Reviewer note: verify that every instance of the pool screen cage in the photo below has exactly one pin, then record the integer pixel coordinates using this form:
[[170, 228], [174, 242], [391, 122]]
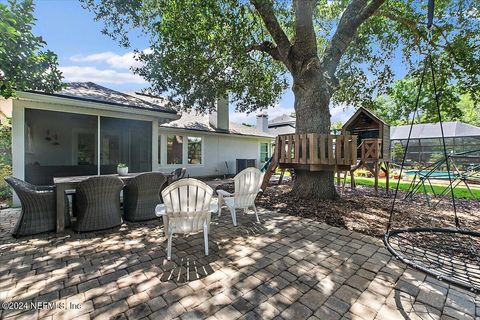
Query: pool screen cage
[[450, 254]]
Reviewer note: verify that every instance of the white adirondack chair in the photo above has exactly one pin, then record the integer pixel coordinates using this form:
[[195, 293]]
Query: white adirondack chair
[[186, 209], [247, 186]]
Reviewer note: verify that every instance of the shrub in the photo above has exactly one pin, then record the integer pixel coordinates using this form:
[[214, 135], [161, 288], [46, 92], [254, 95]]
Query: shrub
[[5, 161]]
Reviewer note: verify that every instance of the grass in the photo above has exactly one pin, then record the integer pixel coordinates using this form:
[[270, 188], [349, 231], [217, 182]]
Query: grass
[[459, 192]]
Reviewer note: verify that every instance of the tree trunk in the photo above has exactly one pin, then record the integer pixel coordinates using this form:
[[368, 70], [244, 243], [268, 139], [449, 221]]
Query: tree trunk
[[312, 99]]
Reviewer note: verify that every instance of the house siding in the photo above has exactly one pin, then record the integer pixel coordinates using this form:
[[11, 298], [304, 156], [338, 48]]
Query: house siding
[[216, 150]]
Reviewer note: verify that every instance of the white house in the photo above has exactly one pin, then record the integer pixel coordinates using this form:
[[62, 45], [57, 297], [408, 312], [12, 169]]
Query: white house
[[87, 129]]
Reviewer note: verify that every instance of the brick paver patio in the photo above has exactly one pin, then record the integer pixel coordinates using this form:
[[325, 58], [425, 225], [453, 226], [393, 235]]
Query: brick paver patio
[[284, 268]]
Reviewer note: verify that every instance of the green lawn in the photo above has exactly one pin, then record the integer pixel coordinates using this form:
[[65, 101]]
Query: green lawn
[[460, 192]]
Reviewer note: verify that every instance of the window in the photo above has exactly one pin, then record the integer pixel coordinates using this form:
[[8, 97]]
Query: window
[[194, 150], [263, 153], [174, 149], [159, 148], [86, 151]]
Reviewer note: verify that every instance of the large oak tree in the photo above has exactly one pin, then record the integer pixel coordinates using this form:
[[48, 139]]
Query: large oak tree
[[334, 51]]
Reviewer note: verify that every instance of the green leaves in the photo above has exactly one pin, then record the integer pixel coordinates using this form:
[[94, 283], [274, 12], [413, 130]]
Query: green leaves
[[200, 48], [24, 64]]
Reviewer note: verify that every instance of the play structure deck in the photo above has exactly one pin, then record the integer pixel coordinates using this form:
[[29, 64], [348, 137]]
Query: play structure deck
[[364, 143]]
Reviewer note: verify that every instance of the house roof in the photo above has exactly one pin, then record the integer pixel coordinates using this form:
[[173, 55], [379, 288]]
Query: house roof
[[92, 92], [284, 119], [432, 130], [283, 129], [364, 111], [200, 122]]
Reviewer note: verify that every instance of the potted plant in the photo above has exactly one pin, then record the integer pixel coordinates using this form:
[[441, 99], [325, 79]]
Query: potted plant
[[122, 169]]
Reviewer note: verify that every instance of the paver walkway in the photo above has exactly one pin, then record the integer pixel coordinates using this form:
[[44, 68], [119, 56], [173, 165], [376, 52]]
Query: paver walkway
[[284, 268]]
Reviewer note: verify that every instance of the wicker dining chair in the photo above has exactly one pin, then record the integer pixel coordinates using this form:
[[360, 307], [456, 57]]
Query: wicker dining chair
[[97, 204], [141, 195], [186, 209], [39, 209]]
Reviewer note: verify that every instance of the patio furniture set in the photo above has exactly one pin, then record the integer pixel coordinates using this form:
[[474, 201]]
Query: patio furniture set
[[185, 205]]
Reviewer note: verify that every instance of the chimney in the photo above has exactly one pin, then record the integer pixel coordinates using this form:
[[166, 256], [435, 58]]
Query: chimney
[[219, 118], [262, 122]]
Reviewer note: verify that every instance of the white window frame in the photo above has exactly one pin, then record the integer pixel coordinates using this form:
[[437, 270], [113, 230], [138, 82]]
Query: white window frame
[[162, 162], [202, 155]]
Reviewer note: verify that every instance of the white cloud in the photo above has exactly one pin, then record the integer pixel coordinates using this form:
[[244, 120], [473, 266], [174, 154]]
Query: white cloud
[[114, 60], [80, 73]]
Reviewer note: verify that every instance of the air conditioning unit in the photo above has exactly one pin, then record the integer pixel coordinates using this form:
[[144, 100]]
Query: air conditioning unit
[[245, 163]]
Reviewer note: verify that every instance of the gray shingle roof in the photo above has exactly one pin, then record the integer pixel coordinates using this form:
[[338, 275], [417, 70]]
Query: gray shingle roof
[[432, 130], [283, 129], [282, 120], [200, 122], [89, 91]]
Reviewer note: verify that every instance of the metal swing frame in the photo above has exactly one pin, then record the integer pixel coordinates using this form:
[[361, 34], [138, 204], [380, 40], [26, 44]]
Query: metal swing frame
[[448, 259], [421, 181]]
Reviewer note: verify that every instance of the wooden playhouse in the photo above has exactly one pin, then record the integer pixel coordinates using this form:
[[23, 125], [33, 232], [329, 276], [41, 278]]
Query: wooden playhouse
[[373, 145], [364, 143]]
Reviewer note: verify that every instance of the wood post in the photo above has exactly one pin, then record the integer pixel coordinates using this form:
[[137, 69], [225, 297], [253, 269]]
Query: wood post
[[338, 178], [322, 148], [304, 158], [387, 176]]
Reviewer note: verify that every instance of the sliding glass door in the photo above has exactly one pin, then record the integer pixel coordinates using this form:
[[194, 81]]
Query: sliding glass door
[[59, 144], [125, 141]]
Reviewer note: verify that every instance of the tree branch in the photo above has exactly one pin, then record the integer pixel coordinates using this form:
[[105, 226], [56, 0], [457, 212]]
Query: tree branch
[[267, 47], [413, 27], [357, 12], [265, 9], [305, 39]]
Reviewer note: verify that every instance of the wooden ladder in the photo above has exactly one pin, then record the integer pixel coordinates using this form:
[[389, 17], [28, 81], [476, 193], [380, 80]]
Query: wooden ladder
[[272, 166], [269, 172]]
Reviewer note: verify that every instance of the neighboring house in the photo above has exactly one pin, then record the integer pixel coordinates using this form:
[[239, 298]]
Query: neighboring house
[[87, 129], [284, 124]]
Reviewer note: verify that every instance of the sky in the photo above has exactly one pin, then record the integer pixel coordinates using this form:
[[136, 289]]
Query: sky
[[85, 54]]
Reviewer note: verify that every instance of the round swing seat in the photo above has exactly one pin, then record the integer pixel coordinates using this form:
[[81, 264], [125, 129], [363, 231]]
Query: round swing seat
[[449, 254]]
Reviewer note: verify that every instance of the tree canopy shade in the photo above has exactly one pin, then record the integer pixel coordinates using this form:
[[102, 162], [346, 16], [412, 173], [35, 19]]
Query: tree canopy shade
[[398, 103], [24, 63], [338, 51]]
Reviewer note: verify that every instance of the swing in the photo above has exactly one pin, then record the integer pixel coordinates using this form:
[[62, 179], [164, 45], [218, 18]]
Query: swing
[[449, 254]]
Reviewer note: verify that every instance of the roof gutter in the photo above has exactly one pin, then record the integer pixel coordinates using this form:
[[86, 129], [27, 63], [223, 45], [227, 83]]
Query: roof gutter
[[94, 104], [222, 132]]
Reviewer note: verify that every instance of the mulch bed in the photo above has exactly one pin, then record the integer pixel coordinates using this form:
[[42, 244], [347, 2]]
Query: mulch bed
[[362, 211]]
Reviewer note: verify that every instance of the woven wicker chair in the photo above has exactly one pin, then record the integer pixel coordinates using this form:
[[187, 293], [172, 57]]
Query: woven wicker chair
[[38, 208], [141, 195], [178, 174], [97, 204]]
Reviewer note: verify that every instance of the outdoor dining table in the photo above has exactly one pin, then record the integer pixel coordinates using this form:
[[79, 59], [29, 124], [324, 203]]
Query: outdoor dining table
[[63, 184]]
